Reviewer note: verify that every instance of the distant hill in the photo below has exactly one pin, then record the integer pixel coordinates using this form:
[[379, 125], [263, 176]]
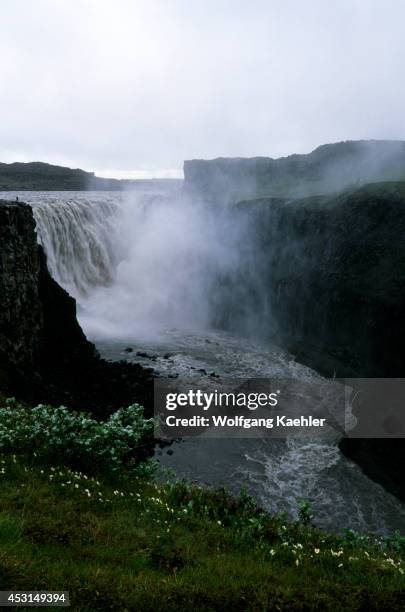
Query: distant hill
[[329, 168], [38, 176]]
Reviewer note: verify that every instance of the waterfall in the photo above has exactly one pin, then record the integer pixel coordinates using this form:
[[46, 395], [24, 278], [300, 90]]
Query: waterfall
[[81, 238], [140, 263]]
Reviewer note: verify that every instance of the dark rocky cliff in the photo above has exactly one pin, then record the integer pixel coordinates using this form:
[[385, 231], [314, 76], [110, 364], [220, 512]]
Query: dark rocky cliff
[[335, 278], [328, 284], [329, 168], [21, 315], [44, 355]]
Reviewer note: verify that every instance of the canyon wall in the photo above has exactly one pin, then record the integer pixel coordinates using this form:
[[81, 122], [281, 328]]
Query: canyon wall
[[329, 168], [327, 278], [334, 277], [328, 284], [21, 316], [44, 354]]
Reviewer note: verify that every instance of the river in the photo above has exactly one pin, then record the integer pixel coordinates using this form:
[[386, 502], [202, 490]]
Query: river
[[146, 269]]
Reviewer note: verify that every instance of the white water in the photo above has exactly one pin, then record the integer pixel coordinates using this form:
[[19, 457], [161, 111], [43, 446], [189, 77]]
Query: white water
[[278, 472], [141, 268], [81, 238], [137, 263]]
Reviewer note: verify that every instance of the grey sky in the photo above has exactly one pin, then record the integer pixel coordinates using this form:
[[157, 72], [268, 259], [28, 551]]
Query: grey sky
[[132, 85]]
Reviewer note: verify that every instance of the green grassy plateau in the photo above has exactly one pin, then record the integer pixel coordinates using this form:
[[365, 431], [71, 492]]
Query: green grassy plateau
[[119, 539]]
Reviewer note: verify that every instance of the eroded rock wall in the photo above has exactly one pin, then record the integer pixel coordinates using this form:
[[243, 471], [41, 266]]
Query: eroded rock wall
[[44, 354], [21, 315]]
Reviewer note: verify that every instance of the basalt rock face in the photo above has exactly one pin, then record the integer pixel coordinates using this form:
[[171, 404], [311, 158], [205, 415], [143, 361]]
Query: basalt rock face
[[44, 354], [324, 276], [329, 285], [21, 316], [336, 278], [329, 168]]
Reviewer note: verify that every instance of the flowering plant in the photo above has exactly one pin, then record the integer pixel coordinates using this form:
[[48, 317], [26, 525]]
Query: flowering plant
[[76, 438]]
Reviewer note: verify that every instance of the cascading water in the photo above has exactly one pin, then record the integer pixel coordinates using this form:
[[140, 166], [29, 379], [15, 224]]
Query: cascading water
[[138, 263], [142, 264], [81, 238]]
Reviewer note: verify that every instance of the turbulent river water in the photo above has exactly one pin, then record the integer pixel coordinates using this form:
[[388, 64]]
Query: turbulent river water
[[141, 266]]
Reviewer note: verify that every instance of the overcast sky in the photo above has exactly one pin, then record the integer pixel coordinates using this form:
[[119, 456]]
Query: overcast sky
[[133, 87]]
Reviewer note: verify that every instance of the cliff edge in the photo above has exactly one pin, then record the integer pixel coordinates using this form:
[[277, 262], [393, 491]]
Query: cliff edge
[[329, 168], [44, 354], [328, 285]]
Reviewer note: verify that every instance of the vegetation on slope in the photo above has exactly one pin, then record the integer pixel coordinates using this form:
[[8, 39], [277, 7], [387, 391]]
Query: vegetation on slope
[[39, 176], [327, 169], [124, 541]]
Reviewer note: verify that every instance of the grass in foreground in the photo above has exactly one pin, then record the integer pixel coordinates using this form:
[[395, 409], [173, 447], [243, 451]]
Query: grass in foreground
[[138, 545]]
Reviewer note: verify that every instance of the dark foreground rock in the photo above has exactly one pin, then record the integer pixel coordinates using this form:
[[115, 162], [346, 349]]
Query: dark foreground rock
[[381, 459], [44, 354]]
